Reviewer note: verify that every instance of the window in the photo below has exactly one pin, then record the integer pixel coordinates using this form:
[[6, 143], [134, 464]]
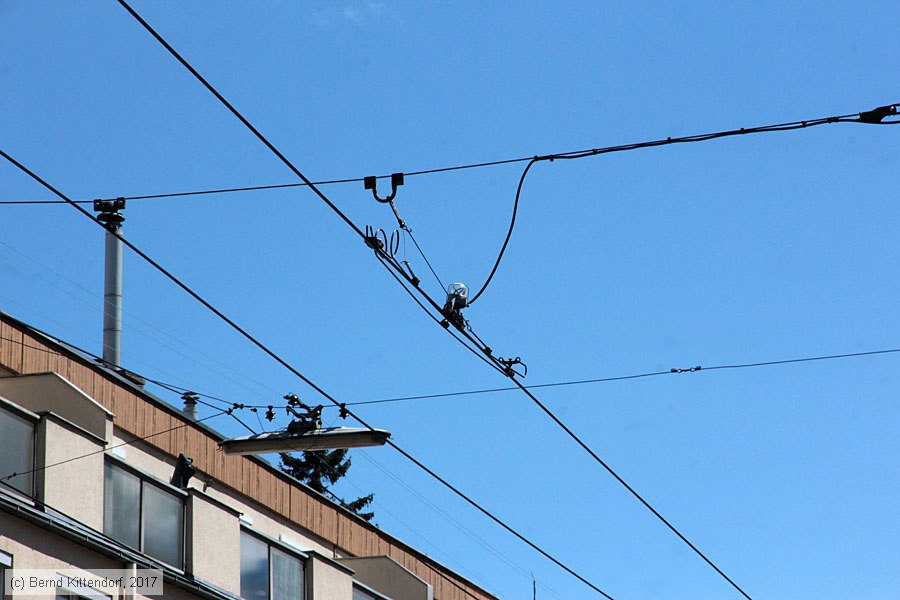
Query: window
[[268, 573], [143, 514], [17, 434], [5, 563]]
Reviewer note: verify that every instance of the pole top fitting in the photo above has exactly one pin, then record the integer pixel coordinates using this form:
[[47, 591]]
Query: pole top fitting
[[371, 183], [109, 215]]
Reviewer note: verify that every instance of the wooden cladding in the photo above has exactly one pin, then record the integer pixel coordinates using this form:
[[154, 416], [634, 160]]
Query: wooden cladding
[[23, 351]]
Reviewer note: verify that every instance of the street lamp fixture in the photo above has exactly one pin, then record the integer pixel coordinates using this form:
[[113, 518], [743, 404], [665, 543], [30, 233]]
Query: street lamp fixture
[[305, 433]]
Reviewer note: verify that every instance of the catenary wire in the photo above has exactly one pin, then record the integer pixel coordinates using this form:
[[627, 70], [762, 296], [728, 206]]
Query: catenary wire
[[508, 371], [424, 308], [673, 371], [302, 377], [789, 126], [628, 377], [854, 118], [786, 126], [628, 487], [533, 160], [587, 449], [337, 210]]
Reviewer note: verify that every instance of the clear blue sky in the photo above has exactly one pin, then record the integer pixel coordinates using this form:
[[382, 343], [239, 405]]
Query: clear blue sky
[[746, 249]]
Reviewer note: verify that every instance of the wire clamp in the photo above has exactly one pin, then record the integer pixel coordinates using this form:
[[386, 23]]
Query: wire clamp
[[690, 370], [372, 240], [109, 216], [371, 183], [309, 419], [378, 240], [509, 363], [877, 115]]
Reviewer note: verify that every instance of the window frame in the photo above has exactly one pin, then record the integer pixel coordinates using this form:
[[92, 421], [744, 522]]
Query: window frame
[[6, 562], [34, 420], [273, 544], [145, 479]]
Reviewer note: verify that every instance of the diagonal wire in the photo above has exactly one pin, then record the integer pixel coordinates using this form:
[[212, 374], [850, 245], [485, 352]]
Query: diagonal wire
[[365, 237], [300, 375], [864, 117], [427, 262]]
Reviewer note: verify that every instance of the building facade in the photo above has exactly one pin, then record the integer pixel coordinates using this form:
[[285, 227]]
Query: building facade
[[88, 462]]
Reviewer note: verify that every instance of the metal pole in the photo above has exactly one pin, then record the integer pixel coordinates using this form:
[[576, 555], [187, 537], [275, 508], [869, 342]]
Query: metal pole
[[112, 280], [112, 302]]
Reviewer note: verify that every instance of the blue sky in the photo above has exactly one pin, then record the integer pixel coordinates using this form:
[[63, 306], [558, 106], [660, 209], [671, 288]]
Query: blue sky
[[757, 248]]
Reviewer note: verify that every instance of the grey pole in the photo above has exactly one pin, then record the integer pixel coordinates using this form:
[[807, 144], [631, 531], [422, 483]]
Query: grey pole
[[112, 281], [112, 302]]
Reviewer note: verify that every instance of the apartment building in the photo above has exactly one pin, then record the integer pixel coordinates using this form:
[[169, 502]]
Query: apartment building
[[95, 457]]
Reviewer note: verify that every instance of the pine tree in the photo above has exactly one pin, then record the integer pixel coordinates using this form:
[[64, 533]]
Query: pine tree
[[322, 469]]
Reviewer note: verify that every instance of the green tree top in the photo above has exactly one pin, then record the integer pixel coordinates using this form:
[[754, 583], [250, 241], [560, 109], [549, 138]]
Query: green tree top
[[321, 469]]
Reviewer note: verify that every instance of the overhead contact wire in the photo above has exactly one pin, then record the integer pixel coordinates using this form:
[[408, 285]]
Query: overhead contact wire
[[625, 484], [293, 370], [297, 172], [360, 233], [242, 119]]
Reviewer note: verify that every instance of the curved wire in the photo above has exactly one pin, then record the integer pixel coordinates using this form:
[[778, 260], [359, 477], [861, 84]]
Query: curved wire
[[512, 224], [788, 126]]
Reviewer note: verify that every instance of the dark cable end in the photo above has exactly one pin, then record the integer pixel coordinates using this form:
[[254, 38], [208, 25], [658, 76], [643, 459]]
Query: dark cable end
[[877, 115]]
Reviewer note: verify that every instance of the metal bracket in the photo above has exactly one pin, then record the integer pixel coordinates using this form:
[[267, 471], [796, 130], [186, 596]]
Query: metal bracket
[[109, 213], [509, 363], [308, 420], [371, 183]]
